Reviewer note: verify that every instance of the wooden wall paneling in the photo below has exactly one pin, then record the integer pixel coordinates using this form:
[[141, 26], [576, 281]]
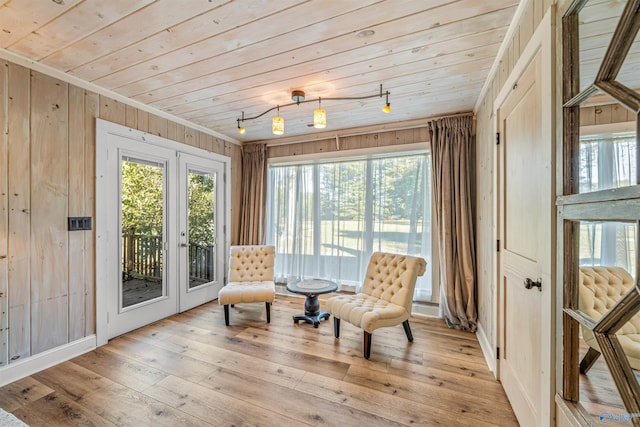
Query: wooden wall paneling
[[527, 26], [180, 133], [351, 142], [157, 125], [603, 114], [503, 74], [113, 110], [76, 205], [49, 211], [19, 208], [4, 219], [296, 149], [210, 142], [131, 117], [512, 55], [618, 113], [384, 139], [143, 121], [190, 137], [587, 116], [206, 141], [172, 130], [421, 134], [277, 151], [517, 46], [218, 145], [538, 12], [91, 111], [321, 146]]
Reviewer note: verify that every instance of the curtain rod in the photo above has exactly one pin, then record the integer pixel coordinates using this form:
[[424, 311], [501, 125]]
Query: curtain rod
[[272, 143]]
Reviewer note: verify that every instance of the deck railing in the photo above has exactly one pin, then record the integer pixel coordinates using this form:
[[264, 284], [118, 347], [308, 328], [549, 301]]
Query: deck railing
[[142, 258]]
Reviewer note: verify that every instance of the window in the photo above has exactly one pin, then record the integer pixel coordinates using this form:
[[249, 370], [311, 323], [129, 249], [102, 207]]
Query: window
[[326, 218]]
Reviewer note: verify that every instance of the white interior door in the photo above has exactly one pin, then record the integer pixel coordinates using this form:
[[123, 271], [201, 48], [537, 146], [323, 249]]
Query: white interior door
[[526, 236], [162, 210], [201, 223]]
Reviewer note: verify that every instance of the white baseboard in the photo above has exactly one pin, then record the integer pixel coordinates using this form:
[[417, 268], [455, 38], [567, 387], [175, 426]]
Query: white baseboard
[[488, 349], [23, 368]]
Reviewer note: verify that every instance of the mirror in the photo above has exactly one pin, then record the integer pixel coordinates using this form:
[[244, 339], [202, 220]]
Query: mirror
[[598, 20], [607, 268]]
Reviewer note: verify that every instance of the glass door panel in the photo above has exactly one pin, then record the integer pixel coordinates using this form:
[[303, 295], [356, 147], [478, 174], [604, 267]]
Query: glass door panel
[[201, 227], [142, 224]]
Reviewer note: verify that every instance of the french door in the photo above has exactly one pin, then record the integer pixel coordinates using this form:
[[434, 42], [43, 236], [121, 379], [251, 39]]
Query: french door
[[160, 225], [200, 211]]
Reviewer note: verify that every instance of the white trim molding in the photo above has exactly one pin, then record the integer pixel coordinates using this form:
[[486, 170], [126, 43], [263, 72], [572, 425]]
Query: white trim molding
[[36, 363]]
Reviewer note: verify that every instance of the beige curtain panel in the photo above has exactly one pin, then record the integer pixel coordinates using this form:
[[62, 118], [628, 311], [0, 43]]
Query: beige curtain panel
[[452, 151], [254, 194]]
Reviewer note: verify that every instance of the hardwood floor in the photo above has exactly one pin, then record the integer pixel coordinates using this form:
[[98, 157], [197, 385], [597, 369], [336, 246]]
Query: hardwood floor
[[599, 395], [190, 369]]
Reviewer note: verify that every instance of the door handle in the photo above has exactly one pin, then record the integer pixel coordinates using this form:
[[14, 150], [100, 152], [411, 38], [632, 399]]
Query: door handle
[[528, 283], [183, 245]]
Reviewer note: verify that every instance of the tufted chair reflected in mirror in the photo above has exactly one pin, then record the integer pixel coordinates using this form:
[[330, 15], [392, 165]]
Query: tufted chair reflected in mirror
[[250, 278], [599, 289], [386, 297]]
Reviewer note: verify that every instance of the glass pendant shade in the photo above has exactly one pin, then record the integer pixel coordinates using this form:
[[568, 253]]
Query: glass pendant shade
[[319, 118], [277, 125], [387, 108]]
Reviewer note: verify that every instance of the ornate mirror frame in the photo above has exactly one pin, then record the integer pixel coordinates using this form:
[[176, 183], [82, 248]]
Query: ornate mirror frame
[[621, 204]]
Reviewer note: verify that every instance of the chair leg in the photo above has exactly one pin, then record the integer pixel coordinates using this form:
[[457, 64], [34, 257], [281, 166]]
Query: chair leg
[[336, 327], [407, 330], [367, 345], [268, 311], [588, 360], [226, 314]]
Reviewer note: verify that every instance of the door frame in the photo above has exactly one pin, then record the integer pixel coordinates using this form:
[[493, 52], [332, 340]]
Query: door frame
[[103, 130], [543, 41]]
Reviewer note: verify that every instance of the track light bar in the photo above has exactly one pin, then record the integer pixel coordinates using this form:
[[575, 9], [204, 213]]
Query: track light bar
[[298, 98]]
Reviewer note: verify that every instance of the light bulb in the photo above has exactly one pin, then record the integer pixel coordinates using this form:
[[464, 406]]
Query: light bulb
[[387, 108]]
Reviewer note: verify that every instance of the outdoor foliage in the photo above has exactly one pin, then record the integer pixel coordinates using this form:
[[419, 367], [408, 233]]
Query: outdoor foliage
[[201, 203], [142, 202], [142, 189]]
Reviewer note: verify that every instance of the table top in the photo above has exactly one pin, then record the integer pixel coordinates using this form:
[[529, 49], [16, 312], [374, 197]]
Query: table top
[[312, 286]]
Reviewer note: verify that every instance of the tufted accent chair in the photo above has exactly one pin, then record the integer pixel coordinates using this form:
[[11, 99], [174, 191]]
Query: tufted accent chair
[[600, 288], [385, 299], [250, 278]]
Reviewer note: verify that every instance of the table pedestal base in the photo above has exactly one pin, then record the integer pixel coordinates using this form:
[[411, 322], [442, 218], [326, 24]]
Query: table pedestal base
[[312, 313]]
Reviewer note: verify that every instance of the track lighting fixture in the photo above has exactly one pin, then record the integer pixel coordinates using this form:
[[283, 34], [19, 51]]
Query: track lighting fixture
[[319, 114]]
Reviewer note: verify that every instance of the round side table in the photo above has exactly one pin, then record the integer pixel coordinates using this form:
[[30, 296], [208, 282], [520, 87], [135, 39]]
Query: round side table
[[312, 288]]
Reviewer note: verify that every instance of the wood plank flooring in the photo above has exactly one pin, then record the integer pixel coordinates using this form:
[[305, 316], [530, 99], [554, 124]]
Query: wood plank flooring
[[190, 369], [599, 394]]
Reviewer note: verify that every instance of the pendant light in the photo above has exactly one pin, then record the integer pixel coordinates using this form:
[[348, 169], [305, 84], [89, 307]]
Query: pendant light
[[277, 124], [319, 116], [387, 106]]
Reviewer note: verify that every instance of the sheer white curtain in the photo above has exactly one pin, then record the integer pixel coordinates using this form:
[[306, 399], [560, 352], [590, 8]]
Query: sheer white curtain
[[327, 218], [606, 162]]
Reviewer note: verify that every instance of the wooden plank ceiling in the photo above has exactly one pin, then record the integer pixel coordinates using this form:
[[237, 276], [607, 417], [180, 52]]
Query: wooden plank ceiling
[[207, 61]]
